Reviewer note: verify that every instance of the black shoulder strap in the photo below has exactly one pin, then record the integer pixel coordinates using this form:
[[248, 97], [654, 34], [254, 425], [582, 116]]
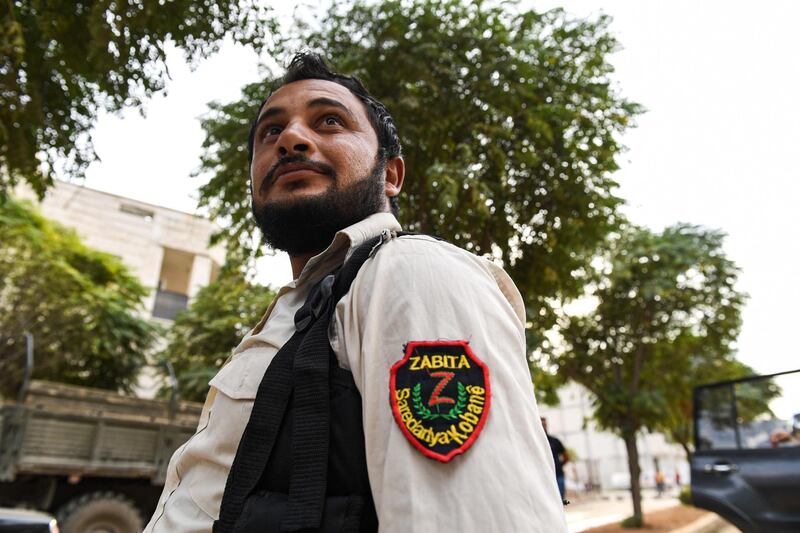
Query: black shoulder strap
[[301, 367]]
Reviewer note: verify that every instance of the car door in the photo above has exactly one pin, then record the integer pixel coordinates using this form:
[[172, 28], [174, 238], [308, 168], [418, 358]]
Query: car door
[[746, 465]]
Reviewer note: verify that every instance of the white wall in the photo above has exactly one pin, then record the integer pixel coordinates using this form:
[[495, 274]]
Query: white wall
[[601, 456]]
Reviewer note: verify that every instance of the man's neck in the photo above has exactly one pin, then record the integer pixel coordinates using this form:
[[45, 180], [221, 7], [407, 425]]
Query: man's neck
[[299, 262]]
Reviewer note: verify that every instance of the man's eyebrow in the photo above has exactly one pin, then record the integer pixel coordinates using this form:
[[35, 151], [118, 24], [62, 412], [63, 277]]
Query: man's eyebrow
[[316, 102], [325, 102], [270, 112]]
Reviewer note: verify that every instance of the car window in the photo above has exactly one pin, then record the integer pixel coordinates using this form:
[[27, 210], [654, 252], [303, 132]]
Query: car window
[[761, 413], [716, 428], [768, 411]]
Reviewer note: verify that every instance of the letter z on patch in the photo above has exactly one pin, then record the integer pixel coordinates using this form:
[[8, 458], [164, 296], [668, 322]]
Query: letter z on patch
[[440, 396]]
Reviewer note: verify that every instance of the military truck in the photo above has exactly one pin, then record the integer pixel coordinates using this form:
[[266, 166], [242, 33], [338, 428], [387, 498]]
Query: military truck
[[746, 464], [94, 458]]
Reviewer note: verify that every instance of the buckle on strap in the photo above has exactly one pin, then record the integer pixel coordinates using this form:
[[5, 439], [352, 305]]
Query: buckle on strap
[[315, 304]]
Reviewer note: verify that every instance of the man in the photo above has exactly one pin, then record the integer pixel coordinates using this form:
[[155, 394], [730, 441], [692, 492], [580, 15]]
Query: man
[[560, 458], [433, 337], [661, 483]]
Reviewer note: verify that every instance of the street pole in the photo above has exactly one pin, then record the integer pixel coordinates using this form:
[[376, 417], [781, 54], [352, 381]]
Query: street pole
[[26, 379]]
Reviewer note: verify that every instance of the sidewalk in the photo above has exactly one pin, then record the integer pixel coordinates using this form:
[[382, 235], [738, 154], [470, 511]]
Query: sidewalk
[[611, 507]]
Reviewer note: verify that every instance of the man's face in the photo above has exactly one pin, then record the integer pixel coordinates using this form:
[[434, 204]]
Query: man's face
[[315, 167], [311, 135]]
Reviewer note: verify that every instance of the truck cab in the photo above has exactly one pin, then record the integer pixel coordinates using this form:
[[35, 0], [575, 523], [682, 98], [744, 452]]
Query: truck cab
[[746, 464]]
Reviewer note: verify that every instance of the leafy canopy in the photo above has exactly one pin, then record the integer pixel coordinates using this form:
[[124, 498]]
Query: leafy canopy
[[62, 62], [667, 316], [509, 123], [202, 336], [82, 306], [667, 304], [701, 365]]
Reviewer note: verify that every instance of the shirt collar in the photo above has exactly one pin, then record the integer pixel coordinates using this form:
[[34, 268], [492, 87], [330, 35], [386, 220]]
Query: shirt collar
[[344, 242]]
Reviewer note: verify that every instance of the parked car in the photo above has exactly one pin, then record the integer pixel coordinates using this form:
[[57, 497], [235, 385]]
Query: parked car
[[24, 521], [746, 465]]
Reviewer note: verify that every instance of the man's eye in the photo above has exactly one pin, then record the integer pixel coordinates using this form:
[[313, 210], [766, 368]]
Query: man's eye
[[270, 131], [332, 120]]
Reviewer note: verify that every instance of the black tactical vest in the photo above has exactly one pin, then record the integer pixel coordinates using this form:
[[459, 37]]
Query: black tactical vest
[[301, 463]]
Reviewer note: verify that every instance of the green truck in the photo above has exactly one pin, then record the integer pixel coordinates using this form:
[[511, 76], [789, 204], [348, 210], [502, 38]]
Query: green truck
[[95, 459]]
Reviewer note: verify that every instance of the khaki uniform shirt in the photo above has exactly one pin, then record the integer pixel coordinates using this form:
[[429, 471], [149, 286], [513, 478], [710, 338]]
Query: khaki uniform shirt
[[414, 289]]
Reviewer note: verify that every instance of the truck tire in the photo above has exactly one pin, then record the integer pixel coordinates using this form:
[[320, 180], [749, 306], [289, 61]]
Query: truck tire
[[100, 512]]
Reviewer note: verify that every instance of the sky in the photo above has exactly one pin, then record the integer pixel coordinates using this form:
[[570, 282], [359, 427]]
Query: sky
[[717, 146]]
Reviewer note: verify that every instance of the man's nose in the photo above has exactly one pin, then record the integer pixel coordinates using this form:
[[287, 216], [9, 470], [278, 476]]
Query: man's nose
[[294, 139]]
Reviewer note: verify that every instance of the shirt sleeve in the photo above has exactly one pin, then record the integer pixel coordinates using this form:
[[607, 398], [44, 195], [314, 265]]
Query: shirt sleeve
[[561, 449], [416, 289]]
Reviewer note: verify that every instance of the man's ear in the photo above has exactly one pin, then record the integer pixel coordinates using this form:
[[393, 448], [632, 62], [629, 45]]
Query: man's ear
[[395, 173]]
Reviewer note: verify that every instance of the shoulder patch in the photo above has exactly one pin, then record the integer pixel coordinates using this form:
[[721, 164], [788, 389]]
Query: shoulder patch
[[440, 396]]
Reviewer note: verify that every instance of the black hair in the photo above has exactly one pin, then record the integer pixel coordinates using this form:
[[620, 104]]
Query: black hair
[[308, 65]]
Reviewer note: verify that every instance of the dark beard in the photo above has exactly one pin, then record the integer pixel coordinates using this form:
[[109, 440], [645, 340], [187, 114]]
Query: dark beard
[[307, 225]]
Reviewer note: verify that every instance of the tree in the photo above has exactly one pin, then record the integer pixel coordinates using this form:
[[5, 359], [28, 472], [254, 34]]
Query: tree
[[667, 312], [509, 122], [82, 306], [202, 336], [699, 365], [62, 62]]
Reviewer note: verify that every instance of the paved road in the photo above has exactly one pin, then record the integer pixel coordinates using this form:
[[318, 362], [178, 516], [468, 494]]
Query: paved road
[[612, 507]]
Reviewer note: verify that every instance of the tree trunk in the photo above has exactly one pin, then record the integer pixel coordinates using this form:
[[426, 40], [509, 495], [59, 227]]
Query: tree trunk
[[634, 471], [687, 450]]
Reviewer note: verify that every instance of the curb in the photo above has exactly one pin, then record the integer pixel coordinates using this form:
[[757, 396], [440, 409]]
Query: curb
[[706, 524]]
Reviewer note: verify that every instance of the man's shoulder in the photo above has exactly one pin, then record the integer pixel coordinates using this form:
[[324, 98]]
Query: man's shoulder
[[422, 249], [420, 259], [422, 263]]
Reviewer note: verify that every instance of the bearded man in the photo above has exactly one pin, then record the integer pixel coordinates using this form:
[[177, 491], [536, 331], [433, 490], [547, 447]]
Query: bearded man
[[387, 385]]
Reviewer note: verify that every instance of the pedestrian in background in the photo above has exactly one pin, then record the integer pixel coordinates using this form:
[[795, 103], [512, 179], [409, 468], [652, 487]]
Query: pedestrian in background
[[660, 482], [560, 458]]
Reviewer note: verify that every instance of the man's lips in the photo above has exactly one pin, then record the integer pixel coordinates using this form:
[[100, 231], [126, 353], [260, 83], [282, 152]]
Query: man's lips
[[294, 169], [297, 173]]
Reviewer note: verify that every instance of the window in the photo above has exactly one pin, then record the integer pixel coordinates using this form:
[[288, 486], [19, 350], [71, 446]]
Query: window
[[755, 413], [138, 211]]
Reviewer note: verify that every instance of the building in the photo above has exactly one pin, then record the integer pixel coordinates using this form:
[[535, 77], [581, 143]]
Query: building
[[166, 249], [600, 460]]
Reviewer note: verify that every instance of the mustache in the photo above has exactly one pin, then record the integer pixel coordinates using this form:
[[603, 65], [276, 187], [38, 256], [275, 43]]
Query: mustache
[[322, 168]]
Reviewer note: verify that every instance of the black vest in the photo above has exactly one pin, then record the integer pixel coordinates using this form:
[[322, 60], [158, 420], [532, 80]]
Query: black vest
[[301, 463]]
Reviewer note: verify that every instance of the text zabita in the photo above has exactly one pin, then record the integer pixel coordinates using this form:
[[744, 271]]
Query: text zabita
[[424, 362]]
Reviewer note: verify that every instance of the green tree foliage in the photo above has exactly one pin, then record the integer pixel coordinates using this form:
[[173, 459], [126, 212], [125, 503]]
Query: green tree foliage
[[699, 364], [202, 336], [81, 305], [667, 315], [509, 122], [62, 62]]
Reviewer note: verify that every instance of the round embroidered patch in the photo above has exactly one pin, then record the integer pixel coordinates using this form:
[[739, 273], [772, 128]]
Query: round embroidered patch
[[440, 397]]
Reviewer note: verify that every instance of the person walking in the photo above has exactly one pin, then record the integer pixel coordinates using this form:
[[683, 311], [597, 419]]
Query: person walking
[[560, 458]]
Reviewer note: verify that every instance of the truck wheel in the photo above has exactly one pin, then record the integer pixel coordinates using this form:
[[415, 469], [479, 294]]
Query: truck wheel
[[100, 512]]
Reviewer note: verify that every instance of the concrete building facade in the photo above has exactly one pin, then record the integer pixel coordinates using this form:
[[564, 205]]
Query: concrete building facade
[[166, 249]]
